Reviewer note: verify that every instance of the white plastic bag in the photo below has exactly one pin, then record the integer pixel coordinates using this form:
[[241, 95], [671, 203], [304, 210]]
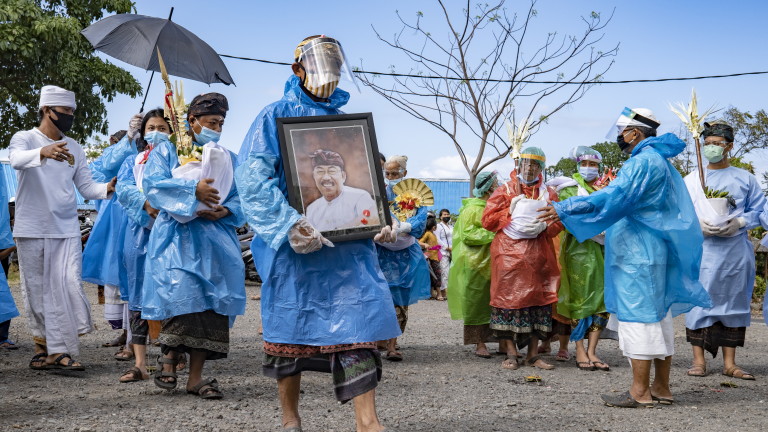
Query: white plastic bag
[[714, 211], [216, 164]]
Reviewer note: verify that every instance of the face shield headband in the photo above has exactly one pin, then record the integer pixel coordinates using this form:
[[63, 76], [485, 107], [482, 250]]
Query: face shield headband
[[325, 64], [628, 119]]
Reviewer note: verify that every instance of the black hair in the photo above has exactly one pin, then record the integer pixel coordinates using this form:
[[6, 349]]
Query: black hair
[[444, 210], [431, 223], [141, 144], [119, 134], [646, 131]]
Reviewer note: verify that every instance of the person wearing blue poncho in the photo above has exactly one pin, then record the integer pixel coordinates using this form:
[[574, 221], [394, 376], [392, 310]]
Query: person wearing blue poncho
[[652, 251], [102, 262], [194, 278], [8, 308], [322, 308], [141, 215], [403, 262], [728, 263]]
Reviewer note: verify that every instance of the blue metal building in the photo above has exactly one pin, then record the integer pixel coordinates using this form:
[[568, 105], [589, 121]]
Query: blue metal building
[[448, 193]]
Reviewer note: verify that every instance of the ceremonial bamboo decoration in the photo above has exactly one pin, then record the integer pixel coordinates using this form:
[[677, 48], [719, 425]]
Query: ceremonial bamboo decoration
[[694, 123], [175, 109], [517, 135]]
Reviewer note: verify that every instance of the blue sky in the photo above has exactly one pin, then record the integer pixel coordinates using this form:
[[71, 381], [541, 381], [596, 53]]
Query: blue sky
[[657, 39]]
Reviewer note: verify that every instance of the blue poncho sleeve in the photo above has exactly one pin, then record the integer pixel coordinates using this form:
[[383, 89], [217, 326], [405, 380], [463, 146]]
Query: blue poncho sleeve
[[640, 185], [109, 163], [129, 195], [174, 195], [418, 222]]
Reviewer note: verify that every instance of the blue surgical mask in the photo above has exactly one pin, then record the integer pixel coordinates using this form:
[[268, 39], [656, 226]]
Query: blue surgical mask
[[391, 182], [588, 173], [155, 137], [207, 135]]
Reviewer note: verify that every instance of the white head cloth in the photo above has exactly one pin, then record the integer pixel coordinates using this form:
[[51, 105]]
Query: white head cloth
[[52, 96], [400, 160]]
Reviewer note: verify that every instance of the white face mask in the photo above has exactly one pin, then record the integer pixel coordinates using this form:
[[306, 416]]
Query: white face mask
[[321, 85], [588, 173]]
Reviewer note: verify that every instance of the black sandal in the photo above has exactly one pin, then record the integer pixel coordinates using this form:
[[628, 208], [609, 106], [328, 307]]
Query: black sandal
[[207, 389], [166, 385], [69, 366], [40, 359]]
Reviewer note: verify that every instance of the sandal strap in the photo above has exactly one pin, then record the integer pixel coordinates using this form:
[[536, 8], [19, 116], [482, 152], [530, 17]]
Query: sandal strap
[[210, 382], [62, 357]]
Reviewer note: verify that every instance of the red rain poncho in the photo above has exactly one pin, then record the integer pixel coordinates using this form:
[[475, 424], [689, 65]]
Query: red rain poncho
[[524, 272]]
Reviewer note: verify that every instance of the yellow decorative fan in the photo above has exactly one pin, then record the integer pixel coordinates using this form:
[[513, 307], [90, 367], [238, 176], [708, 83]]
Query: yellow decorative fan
[[410, 195]]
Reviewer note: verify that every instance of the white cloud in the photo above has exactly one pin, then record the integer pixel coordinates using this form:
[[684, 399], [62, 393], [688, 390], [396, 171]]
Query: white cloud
[[450, 167]]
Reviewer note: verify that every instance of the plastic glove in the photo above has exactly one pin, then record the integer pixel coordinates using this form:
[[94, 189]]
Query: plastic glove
[[709, 230], [304, 238], [732, 227], [514, 202], [403, 228], [134, 125], [388, 234], [532, 229]]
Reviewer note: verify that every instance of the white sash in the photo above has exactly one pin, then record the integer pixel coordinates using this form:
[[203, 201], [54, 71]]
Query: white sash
[[216, 164]]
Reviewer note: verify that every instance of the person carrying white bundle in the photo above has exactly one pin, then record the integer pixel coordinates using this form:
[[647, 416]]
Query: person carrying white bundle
[[728, 263]]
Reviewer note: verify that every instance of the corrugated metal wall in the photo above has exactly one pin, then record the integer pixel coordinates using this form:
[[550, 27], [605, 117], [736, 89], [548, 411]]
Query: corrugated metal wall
[[11, 184], [448, 193]]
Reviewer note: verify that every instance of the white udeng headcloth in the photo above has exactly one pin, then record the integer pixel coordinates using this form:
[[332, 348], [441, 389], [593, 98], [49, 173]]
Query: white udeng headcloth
[[52, 96], [400, 160]]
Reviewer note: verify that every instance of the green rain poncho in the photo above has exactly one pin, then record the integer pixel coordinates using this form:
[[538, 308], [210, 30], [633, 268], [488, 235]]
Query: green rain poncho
[[469, 280], [581, 268]]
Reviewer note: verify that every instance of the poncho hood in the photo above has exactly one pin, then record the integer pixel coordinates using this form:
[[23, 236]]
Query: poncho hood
[[667, 145]]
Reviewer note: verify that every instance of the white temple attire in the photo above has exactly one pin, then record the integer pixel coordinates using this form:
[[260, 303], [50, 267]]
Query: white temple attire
[[47, 235]]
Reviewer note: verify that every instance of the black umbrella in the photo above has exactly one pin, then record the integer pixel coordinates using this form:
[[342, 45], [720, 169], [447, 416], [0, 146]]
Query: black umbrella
[[135, 39]]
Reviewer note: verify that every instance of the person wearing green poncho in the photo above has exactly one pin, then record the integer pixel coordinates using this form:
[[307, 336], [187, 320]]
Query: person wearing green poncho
[[580, 297], [469, 280]]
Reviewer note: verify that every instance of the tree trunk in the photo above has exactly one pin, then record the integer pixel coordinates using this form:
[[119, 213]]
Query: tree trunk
[[472, 176]]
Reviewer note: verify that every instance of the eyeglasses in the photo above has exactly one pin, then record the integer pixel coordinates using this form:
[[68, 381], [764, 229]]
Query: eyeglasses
[[332, 171], [717, 143], [392, 173]]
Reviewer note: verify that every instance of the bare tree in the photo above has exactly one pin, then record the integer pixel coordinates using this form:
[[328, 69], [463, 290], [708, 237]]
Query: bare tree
[[488, 72]]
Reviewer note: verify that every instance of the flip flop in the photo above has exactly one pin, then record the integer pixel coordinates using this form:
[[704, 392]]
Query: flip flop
[[487, 355], [124, 355], [587, 366], [393, 356], [563, 356], [604, 366], [532, 362], [510, 363], [663, 400], [624, 400], [7, 344]]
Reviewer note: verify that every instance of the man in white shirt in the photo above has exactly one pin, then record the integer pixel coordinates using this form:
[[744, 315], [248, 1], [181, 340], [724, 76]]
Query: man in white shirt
[[49, 165], [444, 233], [339, 206]]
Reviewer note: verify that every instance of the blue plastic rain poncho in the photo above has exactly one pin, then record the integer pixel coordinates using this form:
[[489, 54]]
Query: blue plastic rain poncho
[[7, 305], [102, 256], [136, 234], [333, 296], [406, 269], [653, 239], [195, 266], [728, 263]]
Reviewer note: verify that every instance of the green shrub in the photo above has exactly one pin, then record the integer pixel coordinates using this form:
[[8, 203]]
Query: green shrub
[[759, 291]]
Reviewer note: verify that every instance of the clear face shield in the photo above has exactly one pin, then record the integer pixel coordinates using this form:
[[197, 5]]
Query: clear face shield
[[325, 64], [529, 170], [628, 119]]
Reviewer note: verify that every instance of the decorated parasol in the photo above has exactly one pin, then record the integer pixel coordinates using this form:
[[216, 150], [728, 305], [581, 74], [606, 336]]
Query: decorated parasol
[[410, 195]]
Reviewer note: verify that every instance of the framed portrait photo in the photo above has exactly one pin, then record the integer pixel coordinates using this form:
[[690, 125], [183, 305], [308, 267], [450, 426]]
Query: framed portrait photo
[[334, 175]]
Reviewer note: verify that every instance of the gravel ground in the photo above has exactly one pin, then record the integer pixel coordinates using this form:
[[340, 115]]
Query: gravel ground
[[440, 386]]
